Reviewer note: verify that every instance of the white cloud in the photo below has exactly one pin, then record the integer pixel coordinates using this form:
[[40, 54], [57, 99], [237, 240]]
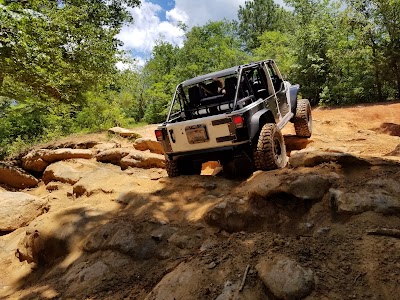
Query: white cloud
[[148, 28], [176, 15], [200, 12]]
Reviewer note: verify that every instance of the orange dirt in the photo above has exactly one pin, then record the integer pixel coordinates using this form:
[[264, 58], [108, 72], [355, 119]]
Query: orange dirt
[[168, 218]]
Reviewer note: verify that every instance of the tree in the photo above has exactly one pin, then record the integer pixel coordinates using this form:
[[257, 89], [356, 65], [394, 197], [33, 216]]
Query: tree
[[208, 48], [58, 49], [258, 16]]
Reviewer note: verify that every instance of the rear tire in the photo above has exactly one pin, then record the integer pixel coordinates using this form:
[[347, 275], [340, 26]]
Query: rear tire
[[270, 153], [172, 168], [176, 168], [303, 119]]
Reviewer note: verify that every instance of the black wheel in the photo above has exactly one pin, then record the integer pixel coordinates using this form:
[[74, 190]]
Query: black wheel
[[303, 119], [182, 167], [270, 153], [172, 168]]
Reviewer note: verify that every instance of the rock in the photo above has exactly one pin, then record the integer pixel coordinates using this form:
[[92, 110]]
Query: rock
[[314, 158], [211, 265], [285, 278], [19, 209], [53, 186], [113, 156], [302, 186], [148, 144], [230, 216], [395, 152], [68, 171], [16, 177], [83, 272], [31, 247], [103, 180], [178, 282], [66, 153], [121, 237], [144, 160], [106, 146], [309, 186], [387, 184], [182, 241], [38, 160], [127, 133], [377, 200], [229, 291], [33, 161], [389, 128]]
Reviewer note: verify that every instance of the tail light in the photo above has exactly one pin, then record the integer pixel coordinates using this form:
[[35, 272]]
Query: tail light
[[238, 121], [159, 135]]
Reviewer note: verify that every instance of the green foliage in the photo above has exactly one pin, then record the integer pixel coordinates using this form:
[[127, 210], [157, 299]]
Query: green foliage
[[276, 45], [58, 49], [258, 16]]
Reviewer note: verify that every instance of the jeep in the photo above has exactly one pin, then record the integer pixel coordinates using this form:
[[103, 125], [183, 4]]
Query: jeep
[[236, 112]]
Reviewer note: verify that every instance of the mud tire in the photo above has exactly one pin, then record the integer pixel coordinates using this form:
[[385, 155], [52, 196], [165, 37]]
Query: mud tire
[[303, 119], [172, 168], [270, 153], [176, 168]]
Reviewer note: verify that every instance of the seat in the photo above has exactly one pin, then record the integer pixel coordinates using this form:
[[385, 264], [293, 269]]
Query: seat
[[212, 89], [230, 87], [194, 96]]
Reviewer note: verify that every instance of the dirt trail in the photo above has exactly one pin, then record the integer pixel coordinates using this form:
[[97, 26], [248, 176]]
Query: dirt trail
[[192, 237]]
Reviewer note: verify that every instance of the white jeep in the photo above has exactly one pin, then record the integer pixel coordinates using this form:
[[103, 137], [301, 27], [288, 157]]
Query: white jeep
[[237, 112]]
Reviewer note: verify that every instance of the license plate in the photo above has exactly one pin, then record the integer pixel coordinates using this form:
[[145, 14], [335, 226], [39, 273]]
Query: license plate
[[196, 134]]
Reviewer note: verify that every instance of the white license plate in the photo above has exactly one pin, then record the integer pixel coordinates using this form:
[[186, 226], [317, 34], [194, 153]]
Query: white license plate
[[196, 134]]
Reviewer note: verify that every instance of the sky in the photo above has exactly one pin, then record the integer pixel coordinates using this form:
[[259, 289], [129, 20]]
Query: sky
[[158, 20]]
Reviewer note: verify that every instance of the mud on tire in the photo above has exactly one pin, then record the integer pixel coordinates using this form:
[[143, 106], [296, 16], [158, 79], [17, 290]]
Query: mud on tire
[[172, 168], [303, 119], [270, 152]]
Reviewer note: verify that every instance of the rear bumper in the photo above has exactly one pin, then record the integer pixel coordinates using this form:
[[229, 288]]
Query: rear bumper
[[220, 153]]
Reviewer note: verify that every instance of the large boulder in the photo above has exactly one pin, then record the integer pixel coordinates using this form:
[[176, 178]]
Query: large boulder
[[68, 171], [148, 144], [124, 132], [285, 278], [16, 177], [66, 153], [302, 186], [377, 200], [113, 156], [103, 180], [19, 209], [33, 161], [144, 160], [38, 160], [306, 158], [177, 283]]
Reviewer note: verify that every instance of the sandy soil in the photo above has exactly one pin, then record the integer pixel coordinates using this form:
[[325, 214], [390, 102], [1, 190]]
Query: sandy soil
[[169, 221]]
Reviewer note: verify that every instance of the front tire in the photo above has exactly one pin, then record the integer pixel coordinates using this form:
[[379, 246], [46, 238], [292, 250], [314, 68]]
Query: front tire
[[270, 153], [303, 119]]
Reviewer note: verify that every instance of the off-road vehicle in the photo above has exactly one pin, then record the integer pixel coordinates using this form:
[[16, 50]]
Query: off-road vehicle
[[237, 112]]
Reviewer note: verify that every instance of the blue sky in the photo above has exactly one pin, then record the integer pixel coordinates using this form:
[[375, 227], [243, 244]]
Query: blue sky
[[158, 20]]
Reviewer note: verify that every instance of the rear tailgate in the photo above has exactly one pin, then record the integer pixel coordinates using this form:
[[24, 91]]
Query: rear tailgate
[[205, 133]]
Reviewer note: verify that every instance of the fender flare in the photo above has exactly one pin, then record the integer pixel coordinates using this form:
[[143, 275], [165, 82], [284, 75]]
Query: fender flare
[[293, 91], [258, 120]]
